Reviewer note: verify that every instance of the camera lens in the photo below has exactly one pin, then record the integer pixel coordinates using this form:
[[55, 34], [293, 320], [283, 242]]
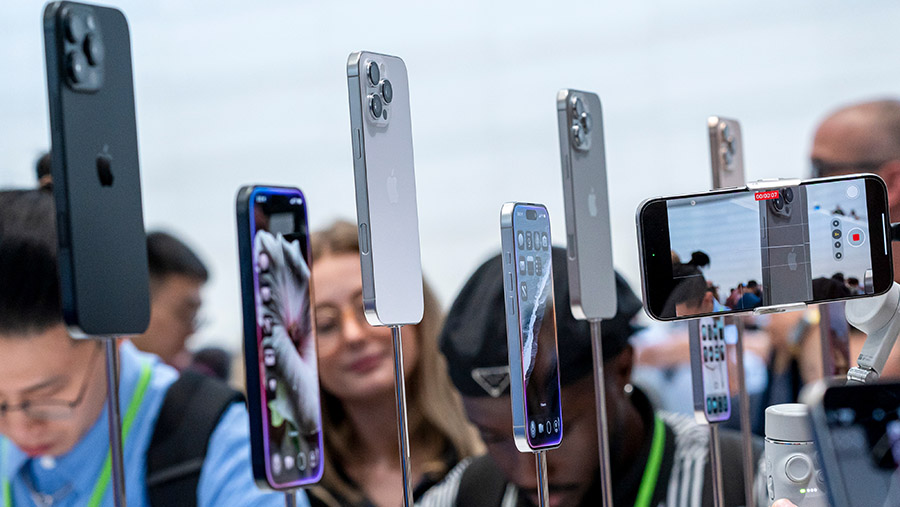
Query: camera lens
[[93, 48], [778, 203], [578, 135], [788, 194], [578, 105], [387, 91], [90, 22], [374, 73], [77, 67], [75, 27], [375, 105], [587, 122]]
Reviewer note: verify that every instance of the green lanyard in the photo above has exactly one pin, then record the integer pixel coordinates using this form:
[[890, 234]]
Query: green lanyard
[[654, 463], [106, 473]]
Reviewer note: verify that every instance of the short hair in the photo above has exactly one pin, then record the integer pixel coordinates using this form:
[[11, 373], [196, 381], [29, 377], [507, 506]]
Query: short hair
[[29, 268], [42, 170], [853, 281], [752, 284], [167, 255], [690, 287]]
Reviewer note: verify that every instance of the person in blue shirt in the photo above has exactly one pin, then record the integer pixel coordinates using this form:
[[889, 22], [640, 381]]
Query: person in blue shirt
[[53, 422]]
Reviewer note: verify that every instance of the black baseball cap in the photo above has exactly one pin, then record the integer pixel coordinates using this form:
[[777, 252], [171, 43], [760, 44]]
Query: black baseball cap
[[474, 336]]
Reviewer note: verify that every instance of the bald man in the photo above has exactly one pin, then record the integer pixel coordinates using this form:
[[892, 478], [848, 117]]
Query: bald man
[[864, 138]]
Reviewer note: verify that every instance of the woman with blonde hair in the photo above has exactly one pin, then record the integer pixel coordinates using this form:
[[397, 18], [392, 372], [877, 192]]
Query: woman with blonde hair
[[362, 460]]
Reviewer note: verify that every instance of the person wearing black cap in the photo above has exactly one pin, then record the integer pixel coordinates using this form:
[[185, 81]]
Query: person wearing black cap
[[657, 458]]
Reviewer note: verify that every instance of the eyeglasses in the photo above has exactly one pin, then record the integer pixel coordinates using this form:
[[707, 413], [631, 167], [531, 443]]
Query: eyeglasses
[[44, 410], [330, 317], [825, 168]]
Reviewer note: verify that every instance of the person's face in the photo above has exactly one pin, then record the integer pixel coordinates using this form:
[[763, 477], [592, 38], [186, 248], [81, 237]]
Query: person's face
[[173, 316], [355, 358], [572, 467], [50, 366]]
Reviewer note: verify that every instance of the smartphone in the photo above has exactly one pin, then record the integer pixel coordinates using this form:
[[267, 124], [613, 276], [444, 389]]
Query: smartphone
[[709, 367], [700, 251], [95, 170], [384, 175], [281, 362], [726, 152], [857, 433], [592, 280], [531, 326]]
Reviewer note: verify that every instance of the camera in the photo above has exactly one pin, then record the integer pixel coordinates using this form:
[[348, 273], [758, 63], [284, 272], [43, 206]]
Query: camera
[[581, 125], [83, 49], [380, 94]]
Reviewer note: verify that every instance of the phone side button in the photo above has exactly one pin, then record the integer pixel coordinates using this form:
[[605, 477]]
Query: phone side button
[[357, 145], [570, 246], [364, 239], [512, 305]]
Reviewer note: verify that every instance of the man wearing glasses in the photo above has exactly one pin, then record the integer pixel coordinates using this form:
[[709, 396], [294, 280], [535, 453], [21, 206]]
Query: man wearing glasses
[[53, 425]]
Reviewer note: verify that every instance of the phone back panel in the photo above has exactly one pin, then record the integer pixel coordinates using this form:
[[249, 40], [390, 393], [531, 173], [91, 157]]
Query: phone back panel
[[385, 195], [96, 181], [785, 250], [726, 152], [592, 280]]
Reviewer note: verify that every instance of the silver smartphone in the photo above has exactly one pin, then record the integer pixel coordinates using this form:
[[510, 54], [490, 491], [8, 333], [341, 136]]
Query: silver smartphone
[[531, 326], [592, 281], [384, 175], [726, 152], [857, 433]]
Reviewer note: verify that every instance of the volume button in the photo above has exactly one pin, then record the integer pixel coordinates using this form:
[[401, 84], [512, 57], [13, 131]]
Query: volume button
[[357, 144], [364, 239]]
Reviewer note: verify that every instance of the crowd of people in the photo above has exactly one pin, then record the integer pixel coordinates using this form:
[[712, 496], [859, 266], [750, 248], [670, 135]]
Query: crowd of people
[[52, 388]]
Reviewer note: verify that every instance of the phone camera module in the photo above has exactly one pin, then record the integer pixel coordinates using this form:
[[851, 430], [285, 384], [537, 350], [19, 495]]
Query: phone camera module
[[387, 91], [586, 122], [374, 73], [376, 107], [578, 106]]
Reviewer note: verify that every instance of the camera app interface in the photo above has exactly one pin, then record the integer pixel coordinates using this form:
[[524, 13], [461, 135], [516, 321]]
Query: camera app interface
[[740, 251], [537, 324], [286, 340], [716, 391], [866, 437]]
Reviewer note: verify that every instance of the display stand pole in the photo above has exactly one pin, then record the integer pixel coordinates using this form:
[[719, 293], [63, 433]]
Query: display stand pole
[[602, 424], [835, 336], [290, 499], [744, 403], [402, 428], [715, 464], [540, 458], [114, 417]]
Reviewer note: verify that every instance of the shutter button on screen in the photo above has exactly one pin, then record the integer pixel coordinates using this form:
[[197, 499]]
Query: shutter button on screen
[[798, 468], [856, 237]]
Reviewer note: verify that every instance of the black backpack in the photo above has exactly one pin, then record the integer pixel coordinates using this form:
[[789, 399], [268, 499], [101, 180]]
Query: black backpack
[[190, 412]]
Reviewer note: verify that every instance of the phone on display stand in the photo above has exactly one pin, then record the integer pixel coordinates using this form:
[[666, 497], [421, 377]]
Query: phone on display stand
[[712, 396], [280, 357], [726, 152], [592, 279], [95, 170], [531, 326], [857, 434], [772, 245], [384, 175]]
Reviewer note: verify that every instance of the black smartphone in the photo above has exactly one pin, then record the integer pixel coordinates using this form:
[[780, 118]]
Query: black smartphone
[[857, 433], [764, 248], [104, 279], [281, 362]]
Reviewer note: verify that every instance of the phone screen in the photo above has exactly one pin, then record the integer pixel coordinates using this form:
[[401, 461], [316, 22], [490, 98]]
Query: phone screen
[[709, 354], [537, 325], [286, 343], [864, 429], [736, 251]]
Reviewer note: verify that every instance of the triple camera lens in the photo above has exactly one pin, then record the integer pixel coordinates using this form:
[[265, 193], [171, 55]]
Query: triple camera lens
[[87, 54], [384, 93], [582, 122]]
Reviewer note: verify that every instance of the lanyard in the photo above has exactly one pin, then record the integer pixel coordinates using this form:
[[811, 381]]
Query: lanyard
[[654, 463], [105, 475]]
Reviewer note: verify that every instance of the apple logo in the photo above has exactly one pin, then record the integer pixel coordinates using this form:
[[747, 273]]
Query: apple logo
[[104, 168], [592, 203], [792, 261], [392, 190]]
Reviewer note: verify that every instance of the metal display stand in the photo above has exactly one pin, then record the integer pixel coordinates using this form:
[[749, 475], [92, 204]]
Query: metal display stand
[[540, 458], [114, 413], [402, 424], [290, 499], [602, 423], [715, 464], [744, 403]]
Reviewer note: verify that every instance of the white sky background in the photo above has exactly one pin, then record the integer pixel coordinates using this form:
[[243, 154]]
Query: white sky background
[[232, 92]]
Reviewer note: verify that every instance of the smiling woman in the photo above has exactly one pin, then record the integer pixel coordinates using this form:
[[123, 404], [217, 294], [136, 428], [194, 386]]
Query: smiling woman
[[362, 465]]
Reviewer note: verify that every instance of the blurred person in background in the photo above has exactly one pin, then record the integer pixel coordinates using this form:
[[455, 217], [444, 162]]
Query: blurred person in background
[[362, 458], [656, 457], [54, 441]]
